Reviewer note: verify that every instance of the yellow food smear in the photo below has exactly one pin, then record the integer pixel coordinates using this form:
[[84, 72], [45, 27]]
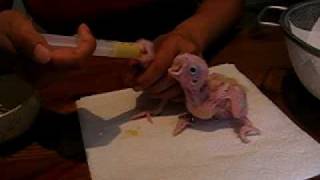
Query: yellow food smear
[[131, 133]]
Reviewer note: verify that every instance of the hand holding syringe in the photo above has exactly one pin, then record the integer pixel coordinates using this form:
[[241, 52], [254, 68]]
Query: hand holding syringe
[[141, 50]]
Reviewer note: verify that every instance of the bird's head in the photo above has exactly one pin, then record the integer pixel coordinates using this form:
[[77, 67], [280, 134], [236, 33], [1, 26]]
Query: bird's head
[[189, 70]]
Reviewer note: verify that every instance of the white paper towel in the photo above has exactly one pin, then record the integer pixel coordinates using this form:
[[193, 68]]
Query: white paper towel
[[118, 149]]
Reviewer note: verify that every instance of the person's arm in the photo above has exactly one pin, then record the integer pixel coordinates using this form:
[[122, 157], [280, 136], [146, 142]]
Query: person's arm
[[212, 18]]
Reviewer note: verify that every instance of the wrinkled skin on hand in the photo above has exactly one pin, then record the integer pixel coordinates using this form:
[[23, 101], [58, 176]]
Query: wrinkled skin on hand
[[19, 35], [210, 96], [155, 79]]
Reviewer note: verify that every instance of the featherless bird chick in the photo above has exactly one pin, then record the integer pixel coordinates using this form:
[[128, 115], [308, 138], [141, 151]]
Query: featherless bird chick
[[210, 96]]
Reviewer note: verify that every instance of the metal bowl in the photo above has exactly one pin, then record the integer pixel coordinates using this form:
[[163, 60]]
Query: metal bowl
[[19, 107], [304, 57]]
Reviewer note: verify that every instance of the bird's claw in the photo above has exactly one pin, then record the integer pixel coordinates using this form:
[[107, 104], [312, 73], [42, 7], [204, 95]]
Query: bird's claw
[[248, 130], [141, 115], [185, 120]]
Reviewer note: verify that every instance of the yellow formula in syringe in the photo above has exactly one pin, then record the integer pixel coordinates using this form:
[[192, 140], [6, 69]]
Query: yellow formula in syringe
[[142, 50]]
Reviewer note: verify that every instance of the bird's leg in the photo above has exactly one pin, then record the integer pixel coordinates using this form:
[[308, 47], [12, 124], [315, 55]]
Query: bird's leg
[[185, 120], [239, 110], [247, 129], [150, 113]]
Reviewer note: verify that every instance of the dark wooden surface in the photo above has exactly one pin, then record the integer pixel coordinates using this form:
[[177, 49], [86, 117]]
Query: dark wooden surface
[[52, 148]]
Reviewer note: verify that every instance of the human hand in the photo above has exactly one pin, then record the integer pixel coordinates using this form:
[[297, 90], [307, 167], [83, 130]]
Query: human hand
[[155, 79], [18, 35]]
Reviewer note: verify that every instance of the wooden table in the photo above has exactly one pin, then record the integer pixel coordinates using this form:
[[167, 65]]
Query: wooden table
[[52, 148]]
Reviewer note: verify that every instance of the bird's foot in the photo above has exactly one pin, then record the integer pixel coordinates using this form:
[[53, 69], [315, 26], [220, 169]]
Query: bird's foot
[[248, 130], [143, 114], [151, 113], [185, 120]]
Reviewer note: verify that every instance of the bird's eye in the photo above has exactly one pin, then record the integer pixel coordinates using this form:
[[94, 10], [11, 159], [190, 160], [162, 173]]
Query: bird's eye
[[193, 70]]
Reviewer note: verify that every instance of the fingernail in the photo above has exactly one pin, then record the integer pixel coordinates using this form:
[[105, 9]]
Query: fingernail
[[85, 27], [41, 54]]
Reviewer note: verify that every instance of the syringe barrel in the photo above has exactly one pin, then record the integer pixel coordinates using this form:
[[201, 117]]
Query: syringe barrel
[[107, 48]]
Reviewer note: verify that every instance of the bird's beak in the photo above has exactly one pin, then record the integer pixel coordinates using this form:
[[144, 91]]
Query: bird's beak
[[175, 70]]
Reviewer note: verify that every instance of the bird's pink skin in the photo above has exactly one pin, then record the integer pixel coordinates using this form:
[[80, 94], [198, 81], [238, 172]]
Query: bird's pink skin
[[210, 96]]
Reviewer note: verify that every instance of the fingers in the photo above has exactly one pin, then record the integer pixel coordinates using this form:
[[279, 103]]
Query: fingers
[[161, 85], [6, 44], [18, 35], [147, 51], [41, 54], [157, 68], [166, 49], [86, 46], [24, 38]]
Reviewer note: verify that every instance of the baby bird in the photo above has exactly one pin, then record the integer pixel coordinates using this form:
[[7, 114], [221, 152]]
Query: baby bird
[[210, 96]]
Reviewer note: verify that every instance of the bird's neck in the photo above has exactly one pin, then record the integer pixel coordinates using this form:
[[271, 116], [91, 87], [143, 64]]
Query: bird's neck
[[197, 96]]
